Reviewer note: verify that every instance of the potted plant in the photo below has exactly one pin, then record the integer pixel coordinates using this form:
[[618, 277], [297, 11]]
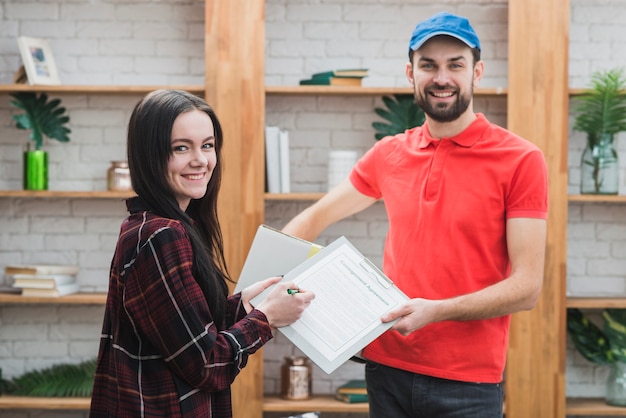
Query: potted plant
[[402, 113], [601, 113], [605, 347], [45, 118]]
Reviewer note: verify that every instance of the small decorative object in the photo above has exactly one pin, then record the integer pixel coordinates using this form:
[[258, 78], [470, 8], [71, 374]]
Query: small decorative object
[[118, 177], [44, 118], [296, 378], [402, 113], [38, 61], [606, 347], [340, 164], [601, 113]]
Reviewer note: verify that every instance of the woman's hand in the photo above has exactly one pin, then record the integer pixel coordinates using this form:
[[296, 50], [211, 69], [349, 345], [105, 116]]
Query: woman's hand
[[280, 307]]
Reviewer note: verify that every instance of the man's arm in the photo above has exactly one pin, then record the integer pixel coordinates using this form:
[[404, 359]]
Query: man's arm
[[342, 201], [526, 239]]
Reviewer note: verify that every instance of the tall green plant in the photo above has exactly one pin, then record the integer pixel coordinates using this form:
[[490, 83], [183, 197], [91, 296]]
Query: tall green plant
[[602, 110], [42, 117], [401, 113]]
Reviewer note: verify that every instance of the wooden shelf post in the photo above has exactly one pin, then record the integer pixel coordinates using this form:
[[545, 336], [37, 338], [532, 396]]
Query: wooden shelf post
[[235, 77], [538, 111]]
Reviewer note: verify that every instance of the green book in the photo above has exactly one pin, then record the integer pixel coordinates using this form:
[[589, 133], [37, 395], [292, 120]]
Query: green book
[[353, 387], [352, 72], [350, 398], [332, 81]]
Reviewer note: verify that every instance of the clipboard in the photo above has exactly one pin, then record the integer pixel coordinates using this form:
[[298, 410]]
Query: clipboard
[[271, 254], [351, 294]]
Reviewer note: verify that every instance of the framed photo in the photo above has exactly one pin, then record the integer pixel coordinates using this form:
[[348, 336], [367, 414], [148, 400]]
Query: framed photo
[[38, 61]]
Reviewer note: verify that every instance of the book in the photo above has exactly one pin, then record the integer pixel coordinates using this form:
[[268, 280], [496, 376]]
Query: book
[[43, 281], [41, 269], [350, 72], [272, 158], [353, 387], [285, 176], [351, 397], [60, 290], [332, 81], [335, 326]]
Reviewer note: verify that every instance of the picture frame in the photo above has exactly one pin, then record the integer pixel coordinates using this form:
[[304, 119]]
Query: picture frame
[[38, 61]]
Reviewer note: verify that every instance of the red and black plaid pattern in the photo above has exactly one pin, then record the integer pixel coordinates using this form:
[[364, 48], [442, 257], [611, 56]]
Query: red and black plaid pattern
[[160, 352]]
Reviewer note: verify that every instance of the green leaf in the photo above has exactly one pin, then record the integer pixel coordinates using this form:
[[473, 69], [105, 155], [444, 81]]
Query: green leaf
[[45, 118], [401, 113], [588, 339], [602, 110], [63, 380]]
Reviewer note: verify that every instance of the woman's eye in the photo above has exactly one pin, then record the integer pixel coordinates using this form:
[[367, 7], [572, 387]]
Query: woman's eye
[[208, 145], [180, 148]]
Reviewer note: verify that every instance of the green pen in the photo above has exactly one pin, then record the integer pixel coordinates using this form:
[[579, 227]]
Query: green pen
[[293, 291]]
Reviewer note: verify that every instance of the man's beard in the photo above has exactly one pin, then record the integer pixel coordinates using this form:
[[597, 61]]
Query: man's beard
[[443, 112]]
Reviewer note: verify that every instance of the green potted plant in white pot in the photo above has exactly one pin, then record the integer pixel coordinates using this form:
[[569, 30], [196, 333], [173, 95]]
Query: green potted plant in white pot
[[601, 113], [45, 118]]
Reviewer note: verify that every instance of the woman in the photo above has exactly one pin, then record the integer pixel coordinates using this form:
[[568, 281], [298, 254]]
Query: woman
[[172, 340]]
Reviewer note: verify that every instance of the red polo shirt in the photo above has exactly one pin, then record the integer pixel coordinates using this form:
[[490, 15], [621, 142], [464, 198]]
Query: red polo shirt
[[448, 201]]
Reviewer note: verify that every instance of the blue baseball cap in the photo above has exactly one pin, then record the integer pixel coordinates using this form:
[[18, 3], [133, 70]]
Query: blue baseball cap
[[444, 24]]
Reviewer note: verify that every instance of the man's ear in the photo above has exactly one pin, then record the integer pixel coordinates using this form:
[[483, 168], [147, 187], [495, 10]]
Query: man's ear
[[409, 73], [479, 70]]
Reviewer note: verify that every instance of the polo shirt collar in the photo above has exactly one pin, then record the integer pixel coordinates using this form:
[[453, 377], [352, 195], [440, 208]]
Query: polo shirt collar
[[467, 138]]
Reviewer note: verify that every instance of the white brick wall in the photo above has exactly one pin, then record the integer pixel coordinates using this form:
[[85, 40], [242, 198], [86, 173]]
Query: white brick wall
[[161, 42]]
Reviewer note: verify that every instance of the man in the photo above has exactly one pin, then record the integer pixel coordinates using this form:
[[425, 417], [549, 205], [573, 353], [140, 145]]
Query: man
[[467, 207]]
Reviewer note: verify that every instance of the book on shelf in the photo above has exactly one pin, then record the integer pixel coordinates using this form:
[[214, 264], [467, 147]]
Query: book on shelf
[[42, 281], [348, 72], [351, 397], [277, 160], [332, 81], [285, 175], [60, 290], [353, 387], [40, 269]]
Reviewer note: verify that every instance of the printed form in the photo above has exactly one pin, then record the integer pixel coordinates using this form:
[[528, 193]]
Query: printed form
[[351, 294]]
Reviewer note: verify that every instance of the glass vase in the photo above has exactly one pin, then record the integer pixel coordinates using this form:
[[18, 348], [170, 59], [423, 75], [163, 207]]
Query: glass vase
[[616, 385], [35, 175], [599, 166]]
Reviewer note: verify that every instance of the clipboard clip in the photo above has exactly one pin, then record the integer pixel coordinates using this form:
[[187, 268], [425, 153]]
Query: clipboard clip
[[375, 272]]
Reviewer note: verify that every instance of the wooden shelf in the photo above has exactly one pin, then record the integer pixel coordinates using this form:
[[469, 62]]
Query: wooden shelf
[[56, 194], [599, 198], [326, 403], [29, 402], [361, 91], [90, 89], [599, 302], [587, 406], [293, 196], [271, 404], [578, 406], [74, 299]]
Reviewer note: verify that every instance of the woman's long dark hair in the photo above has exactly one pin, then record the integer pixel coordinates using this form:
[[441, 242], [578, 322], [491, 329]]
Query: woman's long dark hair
[[149, 148]]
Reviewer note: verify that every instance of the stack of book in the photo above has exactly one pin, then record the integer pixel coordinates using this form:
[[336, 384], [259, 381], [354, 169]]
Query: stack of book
[[277, 172], [347, 77], [353, 391], [43, 280]]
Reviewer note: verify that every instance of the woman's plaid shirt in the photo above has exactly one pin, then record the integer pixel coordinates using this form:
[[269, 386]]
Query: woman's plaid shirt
[[160, 352]]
